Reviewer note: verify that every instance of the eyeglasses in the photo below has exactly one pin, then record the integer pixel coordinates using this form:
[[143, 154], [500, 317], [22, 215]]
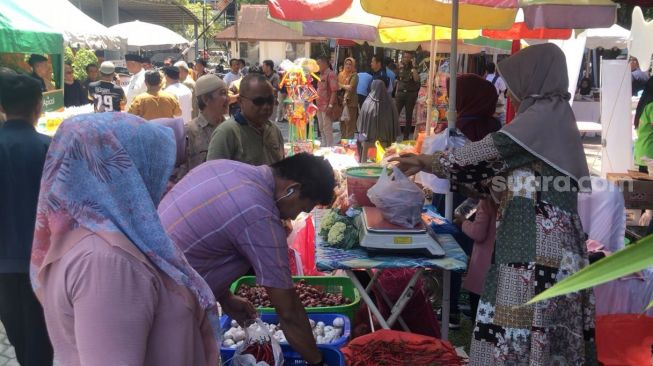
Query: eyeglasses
[[259, 101]]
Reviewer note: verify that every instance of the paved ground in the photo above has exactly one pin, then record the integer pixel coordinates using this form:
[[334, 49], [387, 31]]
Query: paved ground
[[592, 151], [7, 354]]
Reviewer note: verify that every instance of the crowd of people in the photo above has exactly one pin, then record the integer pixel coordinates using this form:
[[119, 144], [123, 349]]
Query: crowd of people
[[122, 232]]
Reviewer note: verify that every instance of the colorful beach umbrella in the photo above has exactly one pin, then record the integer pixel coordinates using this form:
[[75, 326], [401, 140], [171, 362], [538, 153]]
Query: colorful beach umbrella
[[357, 24], [499, 14]]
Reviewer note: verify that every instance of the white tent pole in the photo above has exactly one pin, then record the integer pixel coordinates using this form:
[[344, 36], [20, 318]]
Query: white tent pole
[[453, 72], [429, 83]]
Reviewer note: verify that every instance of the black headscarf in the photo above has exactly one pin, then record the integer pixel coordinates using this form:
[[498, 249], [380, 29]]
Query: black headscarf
[[647, 97]]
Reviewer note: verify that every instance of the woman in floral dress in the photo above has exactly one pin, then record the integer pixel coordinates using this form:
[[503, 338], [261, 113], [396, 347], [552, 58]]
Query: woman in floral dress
[[534, 168]]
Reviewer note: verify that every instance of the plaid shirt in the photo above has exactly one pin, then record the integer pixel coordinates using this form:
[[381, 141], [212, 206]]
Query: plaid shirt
[[224, 218]]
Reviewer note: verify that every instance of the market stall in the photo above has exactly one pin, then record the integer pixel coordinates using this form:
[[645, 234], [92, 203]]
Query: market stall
[[78, 29], [452, 258], [22, 34]]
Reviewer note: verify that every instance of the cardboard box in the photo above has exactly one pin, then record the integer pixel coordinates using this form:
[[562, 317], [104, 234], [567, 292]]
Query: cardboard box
[[637, 189]]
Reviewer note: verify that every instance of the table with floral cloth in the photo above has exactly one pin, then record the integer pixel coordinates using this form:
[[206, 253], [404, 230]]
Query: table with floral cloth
[[330, 259]]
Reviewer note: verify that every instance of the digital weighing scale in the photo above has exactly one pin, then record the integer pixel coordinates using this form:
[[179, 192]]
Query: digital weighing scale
[[379, 236]]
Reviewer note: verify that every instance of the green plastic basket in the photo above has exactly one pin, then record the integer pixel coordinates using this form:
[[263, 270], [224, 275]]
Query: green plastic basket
[[332, 284]]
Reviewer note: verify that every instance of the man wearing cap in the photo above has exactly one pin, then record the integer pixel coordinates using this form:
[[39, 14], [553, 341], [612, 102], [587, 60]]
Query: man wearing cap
[[186, 79], [184, 75], [106, 96], [183, 94], [249, 136], [155, 103], [40, 71], [213, 101], [137, 82]]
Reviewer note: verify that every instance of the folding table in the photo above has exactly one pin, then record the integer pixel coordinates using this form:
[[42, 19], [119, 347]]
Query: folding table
[[330, 259]]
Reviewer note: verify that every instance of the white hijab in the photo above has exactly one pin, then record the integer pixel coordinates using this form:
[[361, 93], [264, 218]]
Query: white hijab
[[545, 125]]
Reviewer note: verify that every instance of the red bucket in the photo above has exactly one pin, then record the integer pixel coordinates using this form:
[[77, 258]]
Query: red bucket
[[359, 181]]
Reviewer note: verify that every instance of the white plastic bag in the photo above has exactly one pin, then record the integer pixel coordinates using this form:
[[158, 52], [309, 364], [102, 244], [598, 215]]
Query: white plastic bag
[[260, 348], [399, 199], [442, 141]]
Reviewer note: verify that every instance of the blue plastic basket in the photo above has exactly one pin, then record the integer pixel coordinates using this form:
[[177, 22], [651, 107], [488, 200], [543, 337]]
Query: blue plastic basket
[[332, 357], [225, 322]]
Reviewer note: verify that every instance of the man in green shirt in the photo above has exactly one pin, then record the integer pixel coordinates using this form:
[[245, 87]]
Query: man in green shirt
[[249, 136], [644, 126]]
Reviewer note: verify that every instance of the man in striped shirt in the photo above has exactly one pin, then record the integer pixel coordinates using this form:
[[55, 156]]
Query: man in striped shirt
[[227, 216]]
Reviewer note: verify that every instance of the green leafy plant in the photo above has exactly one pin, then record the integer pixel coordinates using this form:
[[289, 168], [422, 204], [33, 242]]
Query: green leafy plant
[[83, 58], [68, 55], [631, 259]]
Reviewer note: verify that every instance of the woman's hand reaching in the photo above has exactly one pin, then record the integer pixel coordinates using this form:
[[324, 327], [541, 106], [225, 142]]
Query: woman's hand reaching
[[411, 164]]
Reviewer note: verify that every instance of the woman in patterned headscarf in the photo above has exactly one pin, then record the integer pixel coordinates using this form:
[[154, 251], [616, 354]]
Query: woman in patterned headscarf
[[115, 289], [347, 83], [540, 239]]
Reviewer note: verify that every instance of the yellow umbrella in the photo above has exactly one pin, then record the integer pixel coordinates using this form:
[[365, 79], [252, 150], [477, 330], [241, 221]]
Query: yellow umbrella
[[493, 14], [357, 24]]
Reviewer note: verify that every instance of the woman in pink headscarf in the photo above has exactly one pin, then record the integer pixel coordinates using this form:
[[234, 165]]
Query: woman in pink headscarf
[[115, 289]]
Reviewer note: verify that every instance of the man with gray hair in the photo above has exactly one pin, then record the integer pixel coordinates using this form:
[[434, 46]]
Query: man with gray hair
[[187, 80], [213, 102]]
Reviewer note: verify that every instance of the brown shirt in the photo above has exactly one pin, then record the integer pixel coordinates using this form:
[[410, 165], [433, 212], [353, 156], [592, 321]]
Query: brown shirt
[[155, 105], [198, 137]]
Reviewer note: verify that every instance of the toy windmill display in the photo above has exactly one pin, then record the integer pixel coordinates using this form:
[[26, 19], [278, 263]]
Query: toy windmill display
[[300, 109]]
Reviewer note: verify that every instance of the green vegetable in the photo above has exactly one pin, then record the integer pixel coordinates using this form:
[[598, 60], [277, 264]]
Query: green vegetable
[[337, 233], [327, 221], [338, 230], [343, 235]]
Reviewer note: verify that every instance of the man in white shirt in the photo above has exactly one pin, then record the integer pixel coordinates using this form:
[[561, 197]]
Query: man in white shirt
[[137, 82], [492, 76], [233, 74], [183, 94], [187, 80]]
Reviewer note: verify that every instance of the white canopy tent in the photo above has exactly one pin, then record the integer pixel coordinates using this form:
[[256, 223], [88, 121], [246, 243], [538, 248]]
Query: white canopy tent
[[78, 29], [615, 36], [148, 36]]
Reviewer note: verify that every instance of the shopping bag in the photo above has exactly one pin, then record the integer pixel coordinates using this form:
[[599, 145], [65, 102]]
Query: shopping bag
[[380, 151], [260, 348], [399, 199], [442, 141]]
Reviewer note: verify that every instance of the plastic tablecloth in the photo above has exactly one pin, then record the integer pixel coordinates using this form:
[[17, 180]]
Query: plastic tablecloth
[[329, 259]]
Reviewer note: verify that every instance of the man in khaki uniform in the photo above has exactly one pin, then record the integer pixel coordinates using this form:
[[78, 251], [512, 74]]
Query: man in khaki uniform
[[213, 103]]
